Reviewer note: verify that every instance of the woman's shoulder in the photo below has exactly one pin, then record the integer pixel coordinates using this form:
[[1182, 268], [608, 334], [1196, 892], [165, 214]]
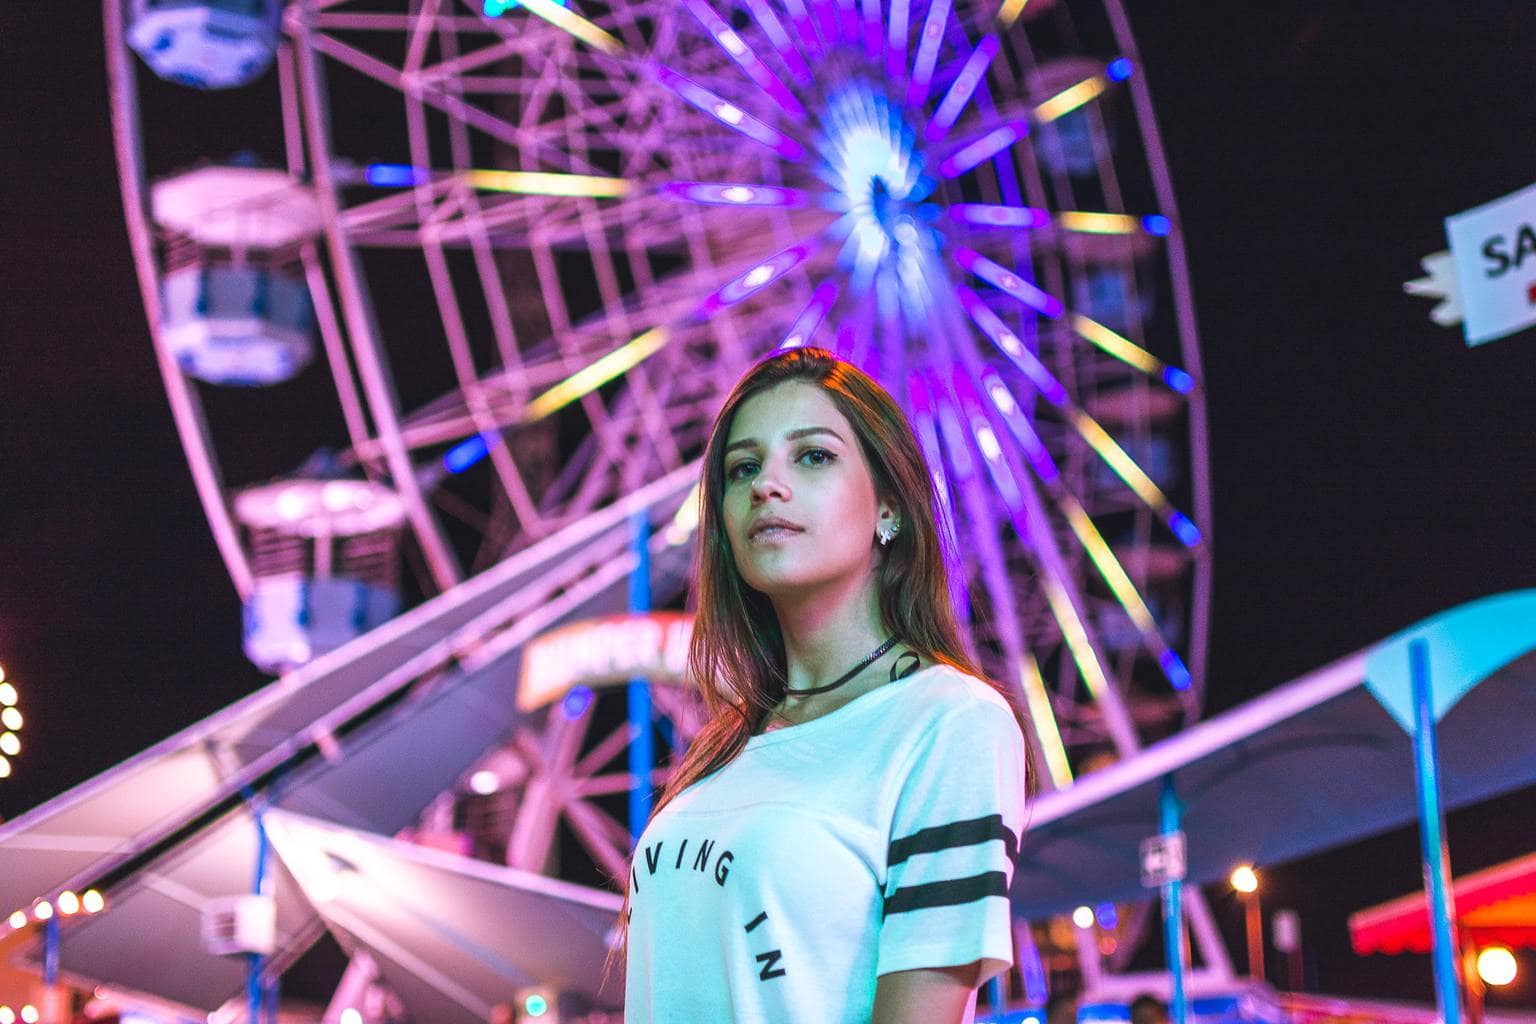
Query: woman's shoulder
[[946, 691]]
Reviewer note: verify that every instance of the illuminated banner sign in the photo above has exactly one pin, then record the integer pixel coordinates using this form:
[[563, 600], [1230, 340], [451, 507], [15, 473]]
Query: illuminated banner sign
[[1493, 248], [603, 652]]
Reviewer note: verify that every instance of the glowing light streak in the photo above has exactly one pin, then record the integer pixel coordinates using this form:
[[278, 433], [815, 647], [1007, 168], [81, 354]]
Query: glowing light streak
[[805, 27], [896, 40], [1009, 13], [395, 175], [573, 24], [806, 324], [1114, 575], [1076, 636], [737, 49], [1002, 278], [1133, 476], [686, 519], [873, 29], [1034, 449], [1043, 717], [991, 215], [540, 183], [961, 89], [1099, 223], [927, 53], [727, 194], [728, 113], [469, 452], [589, 378], [755, 279], [991, 143], [1131, 354], [773, 28], [1070, 99]]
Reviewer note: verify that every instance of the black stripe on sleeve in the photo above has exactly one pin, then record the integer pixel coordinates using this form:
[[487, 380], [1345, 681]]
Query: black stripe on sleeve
[[946, 894], [956, 833]]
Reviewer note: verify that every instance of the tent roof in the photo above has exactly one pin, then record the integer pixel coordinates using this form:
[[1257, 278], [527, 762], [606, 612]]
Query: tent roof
[[1497, 905], [1311, 765]]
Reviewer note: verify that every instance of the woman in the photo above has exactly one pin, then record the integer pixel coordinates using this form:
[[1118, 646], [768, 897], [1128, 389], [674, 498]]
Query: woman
[[837, 843]]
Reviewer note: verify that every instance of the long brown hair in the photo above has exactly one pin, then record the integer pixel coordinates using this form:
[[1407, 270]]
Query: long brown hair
[[736, 657]]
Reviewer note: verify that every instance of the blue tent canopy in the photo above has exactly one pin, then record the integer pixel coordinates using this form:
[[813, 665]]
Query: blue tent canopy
[[1316, 763]]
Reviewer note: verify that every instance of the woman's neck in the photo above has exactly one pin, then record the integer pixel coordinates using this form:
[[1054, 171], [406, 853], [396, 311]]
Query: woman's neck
[[826, 633]]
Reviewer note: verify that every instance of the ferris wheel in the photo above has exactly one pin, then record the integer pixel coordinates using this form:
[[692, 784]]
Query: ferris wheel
[[538, 240]]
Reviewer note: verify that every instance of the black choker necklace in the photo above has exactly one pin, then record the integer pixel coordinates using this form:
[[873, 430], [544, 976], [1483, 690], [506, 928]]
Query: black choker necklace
[[873, 657]]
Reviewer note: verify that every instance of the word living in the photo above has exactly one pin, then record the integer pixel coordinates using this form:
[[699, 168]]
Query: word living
[[700, 862]]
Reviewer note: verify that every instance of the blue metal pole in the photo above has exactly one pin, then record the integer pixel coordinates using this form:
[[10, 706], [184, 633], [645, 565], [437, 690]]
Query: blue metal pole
[[1171, 813], [51, 952], [641, 755], [1445, 957], [255, 961]]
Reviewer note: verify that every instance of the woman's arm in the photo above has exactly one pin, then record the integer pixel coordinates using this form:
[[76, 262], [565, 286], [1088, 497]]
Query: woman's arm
[[929, 995]]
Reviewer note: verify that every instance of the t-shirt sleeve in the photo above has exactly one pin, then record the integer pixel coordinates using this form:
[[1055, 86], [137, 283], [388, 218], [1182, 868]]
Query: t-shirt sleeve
[[954, 836]]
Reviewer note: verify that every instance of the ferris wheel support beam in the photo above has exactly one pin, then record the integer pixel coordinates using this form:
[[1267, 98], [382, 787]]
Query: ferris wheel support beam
[[186, 408], [362, 325]]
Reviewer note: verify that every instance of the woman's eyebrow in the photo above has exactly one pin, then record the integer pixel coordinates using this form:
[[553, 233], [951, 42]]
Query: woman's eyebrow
[[793, 435]]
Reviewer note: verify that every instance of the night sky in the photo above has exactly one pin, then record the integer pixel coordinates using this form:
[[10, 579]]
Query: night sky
[[1369, 469]]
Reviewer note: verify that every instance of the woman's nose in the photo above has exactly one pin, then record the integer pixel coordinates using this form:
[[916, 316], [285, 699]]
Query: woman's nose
[[768, 482]]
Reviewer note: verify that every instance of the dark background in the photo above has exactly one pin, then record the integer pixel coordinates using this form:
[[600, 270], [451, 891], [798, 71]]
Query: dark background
[[1369, 469]]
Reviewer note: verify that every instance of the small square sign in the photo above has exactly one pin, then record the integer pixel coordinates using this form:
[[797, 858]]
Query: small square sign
[[1163, 860], [1493, 248]]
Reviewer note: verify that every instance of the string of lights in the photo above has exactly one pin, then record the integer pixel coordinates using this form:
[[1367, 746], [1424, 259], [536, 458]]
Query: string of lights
[[10, 724]]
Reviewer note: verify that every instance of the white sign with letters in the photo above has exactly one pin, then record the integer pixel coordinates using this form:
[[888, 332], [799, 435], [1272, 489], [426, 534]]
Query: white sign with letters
[[1493, 247]]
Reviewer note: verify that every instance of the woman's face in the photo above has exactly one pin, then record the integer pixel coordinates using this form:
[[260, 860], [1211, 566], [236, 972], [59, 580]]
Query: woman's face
[[800, 507]]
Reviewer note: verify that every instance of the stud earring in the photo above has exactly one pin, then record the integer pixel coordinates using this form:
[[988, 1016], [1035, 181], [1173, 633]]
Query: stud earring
[[887, 532]]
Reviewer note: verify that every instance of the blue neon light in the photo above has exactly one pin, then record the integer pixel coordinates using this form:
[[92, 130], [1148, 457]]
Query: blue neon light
[[1185, 529], [1119, 69], [1175, 669], [1107, 915], [393, 175], [576, 701], [1156, 224], [1177, 379], [466, 453]]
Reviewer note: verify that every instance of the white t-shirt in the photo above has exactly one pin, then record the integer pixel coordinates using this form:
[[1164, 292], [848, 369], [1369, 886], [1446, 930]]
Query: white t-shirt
[[879, 837]]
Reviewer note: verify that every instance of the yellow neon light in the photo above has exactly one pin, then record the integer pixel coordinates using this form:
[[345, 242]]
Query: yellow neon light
[[569, 21], [686, 520], [1070, 99], [1099, 223], [1009, 12], [1120, 347], [1110, 569], [1123, 465], [590, 378], [539, 183], [1044, 719], [1076, 636]]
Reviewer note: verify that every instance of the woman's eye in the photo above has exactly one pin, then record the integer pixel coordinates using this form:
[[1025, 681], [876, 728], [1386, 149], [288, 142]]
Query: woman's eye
[[817, 456], [740, 470]]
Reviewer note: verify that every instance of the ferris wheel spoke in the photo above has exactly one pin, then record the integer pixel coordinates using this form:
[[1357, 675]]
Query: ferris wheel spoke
[[742, 56], [728, 113], [927, 57]]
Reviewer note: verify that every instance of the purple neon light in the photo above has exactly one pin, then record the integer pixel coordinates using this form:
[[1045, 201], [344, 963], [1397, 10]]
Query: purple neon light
[[874, 36], [806, 324], [728, 113], [848, 20], [896, 40], [1001, 277], [993, 216], [723, 193], [927, 53], [976, 150], [961, 89], [773, 28], [1023, 431], [993, 327], [981, 428], [756, 279], [805, 28], [736, 48]]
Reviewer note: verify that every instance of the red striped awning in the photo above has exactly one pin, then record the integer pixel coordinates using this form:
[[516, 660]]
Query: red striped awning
[[1493, 907]]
